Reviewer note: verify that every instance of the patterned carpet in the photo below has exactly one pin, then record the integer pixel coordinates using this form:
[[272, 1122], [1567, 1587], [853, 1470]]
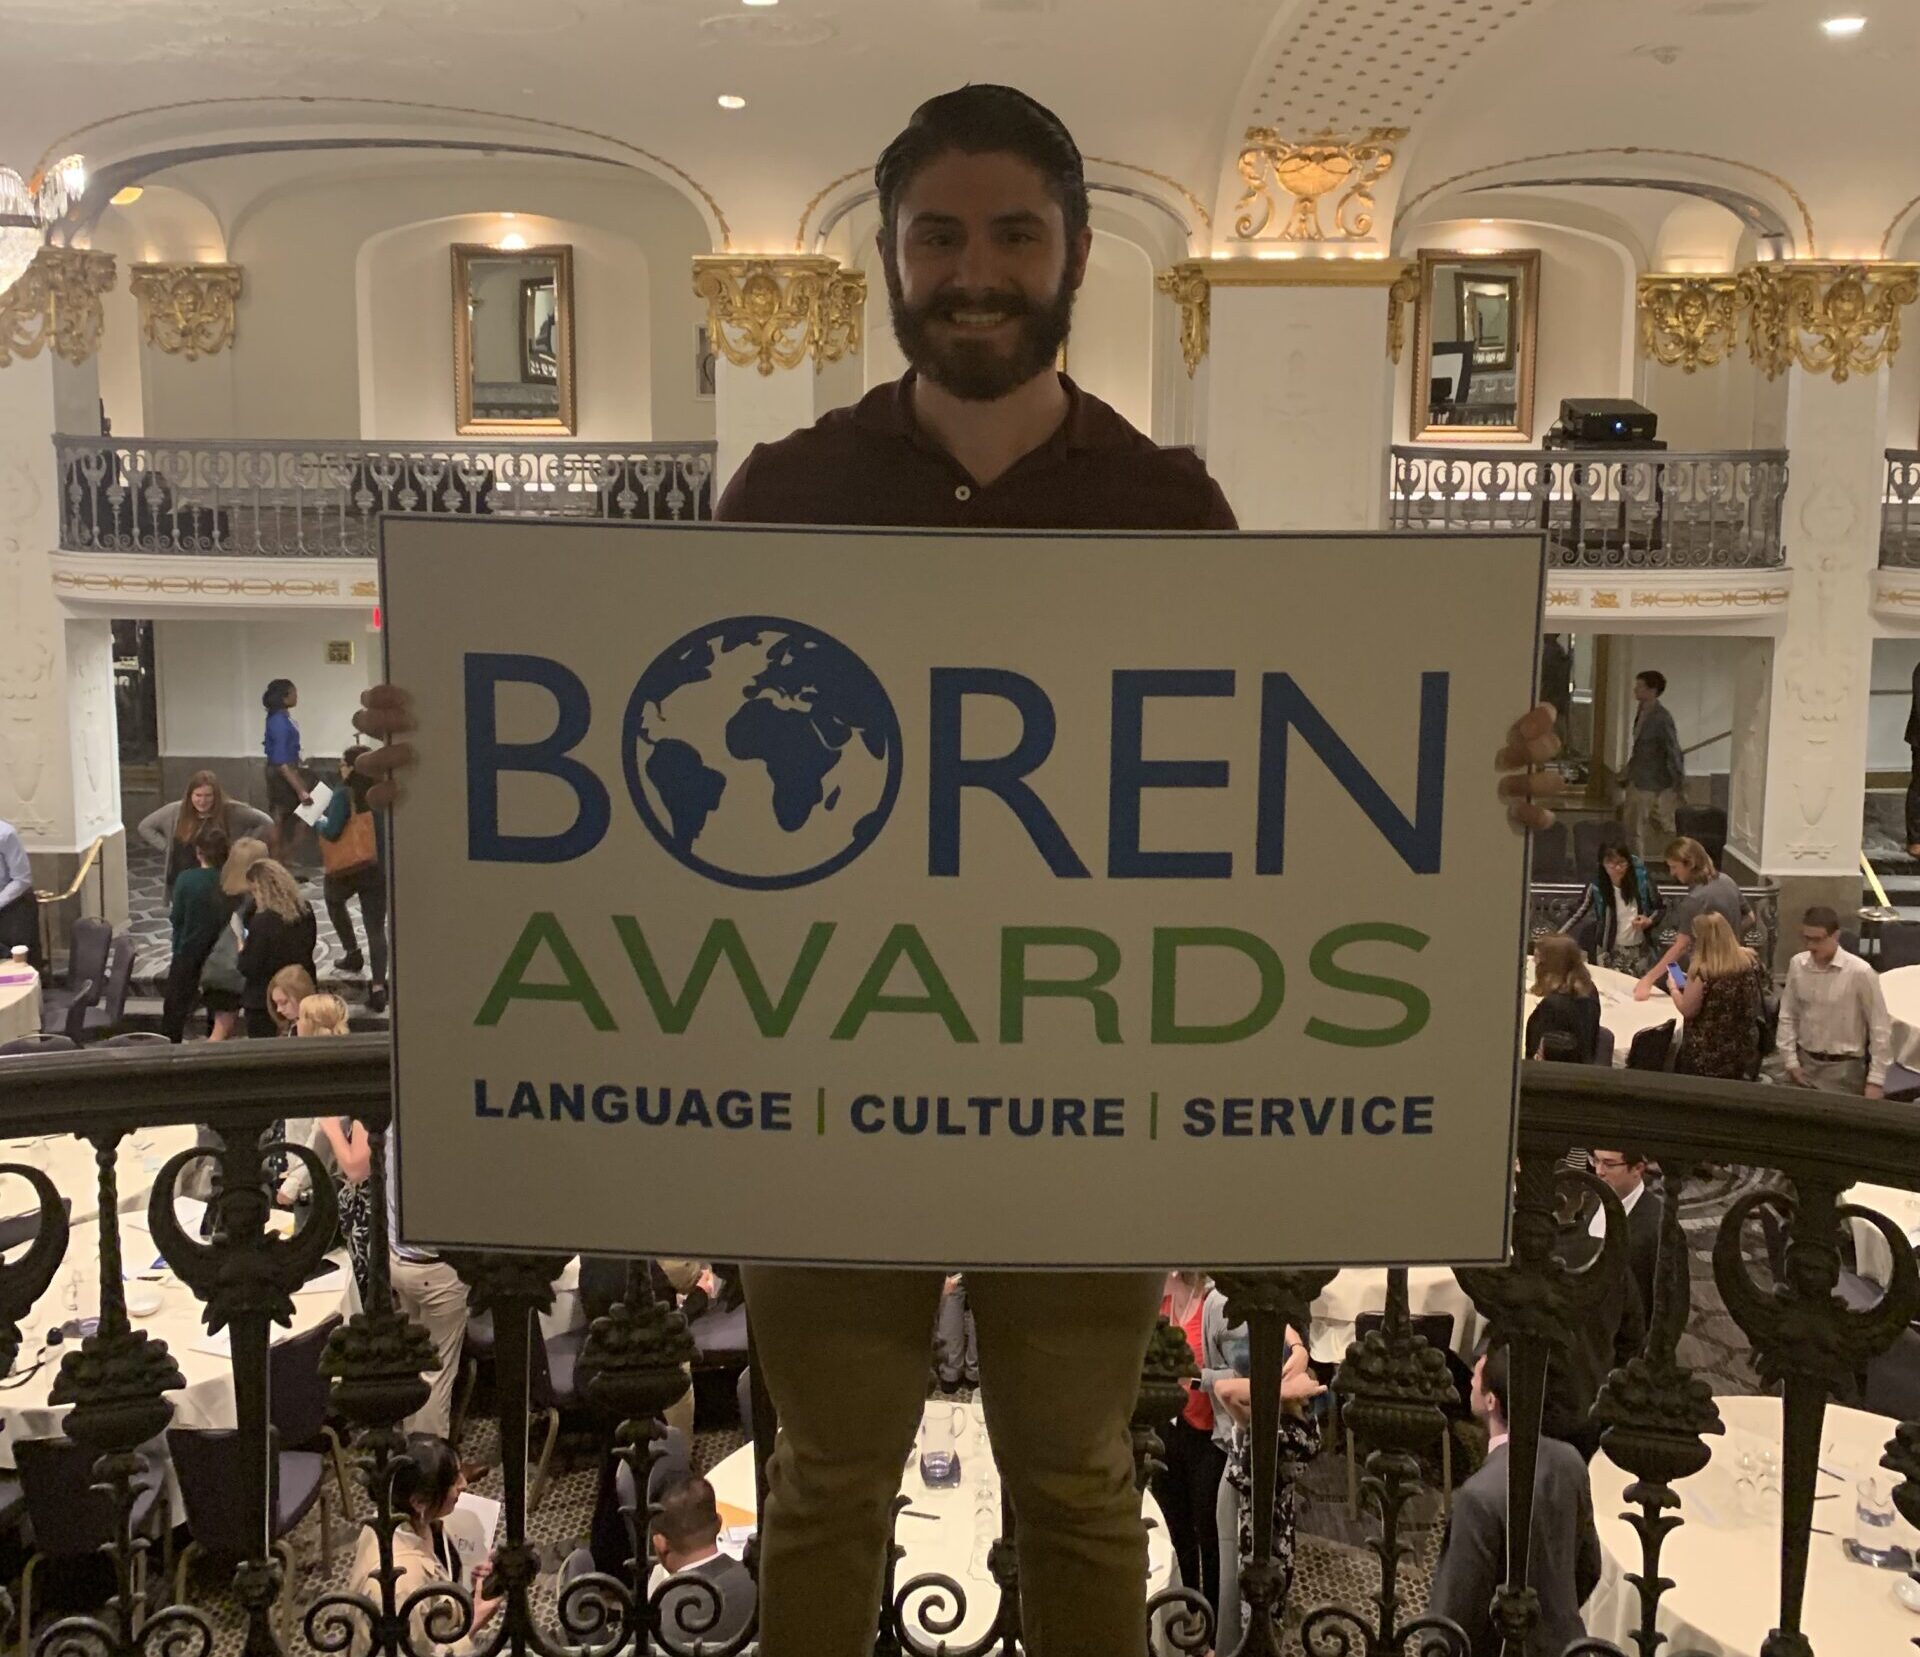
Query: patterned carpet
[[1332, 1565]]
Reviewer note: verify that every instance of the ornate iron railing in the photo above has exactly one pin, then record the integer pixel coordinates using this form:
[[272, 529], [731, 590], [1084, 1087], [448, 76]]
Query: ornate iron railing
[[307, 499], [1551, 906], [1900, 512], [1636, 510], [1655, 1413]]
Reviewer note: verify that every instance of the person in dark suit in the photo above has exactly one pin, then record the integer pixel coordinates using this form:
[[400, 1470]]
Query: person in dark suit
[[686, 1543], [1913, 782], [1626, 1172], [1564, 1564], [1605, 1336]]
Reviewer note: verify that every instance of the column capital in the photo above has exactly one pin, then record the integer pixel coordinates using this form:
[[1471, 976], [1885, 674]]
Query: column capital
[[1190, 285], [57, 301], [1688, 321], [779, 310], [186, 310], [1825, 316]]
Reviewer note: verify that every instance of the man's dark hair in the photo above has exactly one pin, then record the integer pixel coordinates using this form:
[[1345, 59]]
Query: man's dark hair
[[687, 1515], [1821, 916], [1493, 1379], [1654, 680], [985, 120], [212, 844], [1628, 1154]]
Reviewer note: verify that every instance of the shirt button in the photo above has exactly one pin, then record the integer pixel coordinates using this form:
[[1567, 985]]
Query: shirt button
[[963, 493]]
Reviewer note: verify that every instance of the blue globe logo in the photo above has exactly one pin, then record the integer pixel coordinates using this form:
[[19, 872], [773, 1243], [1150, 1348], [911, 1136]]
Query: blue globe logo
[[761, 752]]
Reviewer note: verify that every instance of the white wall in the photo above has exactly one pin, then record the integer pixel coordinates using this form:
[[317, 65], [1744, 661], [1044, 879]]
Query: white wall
[[1110, 352], [1586, 316], [1701, 674], [405, 284], [210, 675]]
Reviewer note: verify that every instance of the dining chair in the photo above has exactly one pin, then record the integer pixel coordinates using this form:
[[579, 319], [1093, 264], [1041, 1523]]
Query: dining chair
[[72, 1520]]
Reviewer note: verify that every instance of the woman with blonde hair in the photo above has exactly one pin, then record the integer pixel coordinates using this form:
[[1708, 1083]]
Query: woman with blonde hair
[[286, 989], [281, 932], [1722, 1002], [1568, 1000], [321, 1015]]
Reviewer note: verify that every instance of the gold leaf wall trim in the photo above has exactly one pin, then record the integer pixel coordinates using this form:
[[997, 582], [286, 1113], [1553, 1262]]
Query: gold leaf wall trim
[[777, 312], [1825, 317], [1187, 286], [1739, 598], [1403, 295], [1688, 322], [56, 302], [196, 586], [187, 310], [1307, 169]]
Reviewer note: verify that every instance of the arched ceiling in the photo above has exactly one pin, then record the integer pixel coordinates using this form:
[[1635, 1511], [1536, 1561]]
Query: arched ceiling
[[1748, 93]]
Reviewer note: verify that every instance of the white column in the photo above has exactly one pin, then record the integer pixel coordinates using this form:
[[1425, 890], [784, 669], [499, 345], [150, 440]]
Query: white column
[[1817, 696], [1299, 391], [59, 749], [750, 407]]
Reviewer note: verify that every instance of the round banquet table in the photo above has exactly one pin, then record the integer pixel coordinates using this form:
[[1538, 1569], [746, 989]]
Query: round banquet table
[[19, 1002], [1619, 1012], [1726, 1564], [963, 1521], [1901, 988], [207, 1399], [1430, 1290], [70, 1163], [1869, 1247]]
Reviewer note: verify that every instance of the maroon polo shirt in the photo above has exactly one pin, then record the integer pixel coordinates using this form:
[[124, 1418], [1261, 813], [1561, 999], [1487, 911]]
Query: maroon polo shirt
[[871, 464]]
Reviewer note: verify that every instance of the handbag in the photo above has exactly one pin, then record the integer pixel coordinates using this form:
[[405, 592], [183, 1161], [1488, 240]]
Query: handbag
[[221, 970], [354, 850]]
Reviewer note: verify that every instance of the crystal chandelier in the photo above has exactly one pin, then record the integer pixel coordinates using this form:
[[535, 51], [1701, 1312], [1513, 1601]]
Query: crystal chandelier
[[26, 210]]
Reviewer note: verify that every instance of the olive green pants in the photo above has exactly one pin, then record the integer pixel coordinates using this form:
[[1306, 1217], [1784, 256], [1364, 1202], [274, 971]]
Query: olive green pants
[[846, 1356]]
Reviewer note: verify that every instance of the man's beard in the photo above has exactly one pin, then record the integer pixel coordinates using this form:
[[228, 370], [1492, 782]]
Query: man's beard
[[981, 370]]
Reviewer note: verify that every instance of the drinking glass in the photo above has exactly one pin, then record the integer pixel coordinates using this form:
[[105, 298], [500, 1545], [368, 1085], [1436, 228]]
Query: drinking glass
[[1873, 1521]]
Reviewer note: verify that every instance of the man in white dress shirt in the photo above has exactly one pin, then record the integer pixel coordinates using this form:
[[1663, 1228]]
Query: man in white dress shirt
[[1834, 1031]]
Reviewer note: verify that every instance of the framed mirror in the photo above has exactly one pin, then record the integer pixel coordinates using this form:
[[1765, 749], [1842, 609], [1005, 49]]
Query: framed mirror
[[1474, 339], [513, 339]]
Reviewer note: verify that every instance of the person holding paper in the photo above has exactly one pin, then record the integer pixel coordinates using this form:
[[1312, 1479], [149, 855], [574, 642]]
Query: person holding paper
[[427, 1484], [984, 241], [350, 852], [286, 785]]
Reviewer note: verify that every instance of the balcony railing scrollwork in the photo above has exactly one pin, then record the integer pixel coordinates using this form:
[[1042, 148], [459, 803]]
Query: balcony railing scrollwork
[[1900, 512], [323, 499], [1627, 510], [1657, 1415]]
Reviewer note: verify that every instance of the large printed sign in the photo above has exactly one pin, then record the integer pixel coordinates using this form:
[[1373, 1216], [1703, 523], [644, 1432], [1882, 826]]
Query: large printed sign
[[959, 900]]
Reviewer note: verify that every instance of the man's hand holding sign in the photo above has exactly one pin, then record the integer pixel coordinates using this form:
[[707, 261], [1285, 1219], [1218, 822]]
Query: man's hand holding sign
[[869, 896]]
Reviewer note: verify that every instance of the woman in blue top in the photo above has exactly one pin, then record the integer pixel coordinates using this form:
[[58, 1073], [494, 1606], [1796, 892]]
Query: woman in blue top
[[286, 787]]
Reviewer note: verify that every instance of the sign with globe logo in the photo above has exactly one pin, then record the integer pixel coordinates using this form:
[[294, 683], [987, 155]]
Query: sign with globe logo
[[761, 752]]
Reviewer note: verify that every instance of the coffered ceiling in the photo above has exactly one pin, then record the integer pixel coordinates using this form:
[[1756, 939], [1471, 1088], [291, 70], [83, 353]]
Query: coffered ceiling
[[1167, 86]]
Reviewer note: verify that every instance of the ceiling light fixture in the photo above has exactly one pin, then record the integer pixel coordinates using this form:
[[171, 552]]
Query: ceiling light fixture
[[511, 243], [126, 197], [760, 2], [730, 100], [1840, 28], [27, 209], [506, 215]]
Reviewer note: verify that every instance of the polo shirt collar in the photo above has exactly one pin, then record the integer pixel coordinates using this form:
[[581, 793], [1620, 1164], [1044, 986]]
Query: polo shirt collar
[[1088, 425]]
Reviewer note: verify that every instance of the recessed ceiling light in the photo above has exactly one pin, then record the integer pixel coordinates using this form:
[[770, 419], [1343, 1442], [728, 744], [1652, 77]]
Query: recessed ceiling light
[[1841, 27], [760, 2], [729, 100], [126, 197]]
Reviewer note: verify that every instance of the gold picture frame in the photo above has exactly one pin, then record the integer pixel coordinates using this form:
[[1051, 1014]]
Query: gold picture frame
[[1517, 270], [468, 422]]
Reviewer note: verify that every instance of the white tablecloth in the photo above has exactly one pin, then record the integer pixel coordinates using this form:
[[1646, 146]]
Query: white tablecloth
[[71, 1164], [1430, 1289], [1870, 1248], [207, 1399], [1727, 1565], [1901, 987], [965, 1520], [19, 1003], [1619, 1012]]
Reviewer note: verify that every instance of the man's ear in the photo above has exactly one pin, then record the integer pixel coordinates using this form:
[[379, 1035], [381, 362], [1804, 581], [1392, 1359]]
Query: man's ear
[[1078, 252], [659, 1545]]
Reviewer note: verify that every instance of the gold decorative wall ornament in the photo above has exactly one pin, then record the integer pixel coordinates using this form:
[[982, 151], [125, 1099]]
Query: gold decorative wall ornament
[[1688, 322], [1404, 292], [1308, 169], [777, 312], [56, 301], [1825, 317], [1187, 286], [186, 310]]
